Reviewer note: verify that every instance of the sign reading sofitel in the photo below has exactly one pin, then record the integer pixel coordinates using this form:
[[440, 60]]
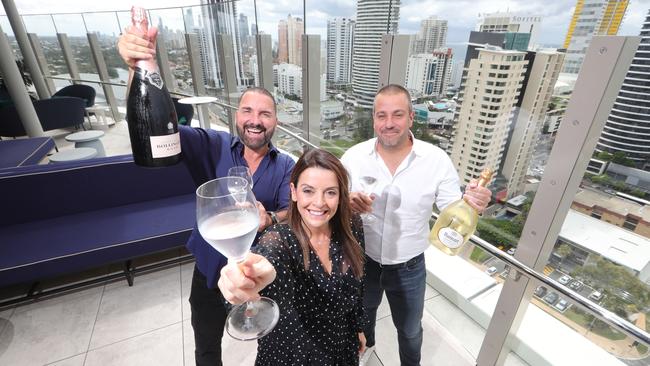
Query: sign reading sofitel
[[519, 19]]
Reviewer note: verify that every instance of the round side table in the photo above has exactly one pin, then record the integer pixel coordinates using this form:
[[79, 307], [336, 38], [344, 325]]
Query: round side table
[[88, 139], [198, 101], [81, 153]]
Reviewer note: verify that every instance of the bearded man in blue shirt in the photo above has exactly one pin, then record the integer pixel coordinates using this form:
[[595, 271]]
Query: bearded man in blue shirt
[[209, 154]]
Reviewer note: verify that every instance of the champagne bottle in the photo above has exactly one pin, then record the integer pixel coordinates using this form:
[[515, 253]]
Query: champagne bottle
[[151, 116], [457, 222]]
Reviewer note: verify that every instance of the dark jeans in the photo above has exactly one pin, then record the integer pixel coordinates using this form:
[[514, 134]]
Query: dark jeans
[[208, 320], [404, 285]]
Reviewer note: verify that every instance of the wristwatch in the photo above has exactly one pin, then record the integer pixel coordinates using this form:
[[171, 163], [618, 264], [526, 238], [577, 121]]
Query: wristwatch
[[274, 217]]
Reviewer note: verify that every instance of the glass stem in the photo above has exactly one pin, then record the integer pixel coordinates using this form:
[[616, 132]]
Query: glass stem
[[251, 310]]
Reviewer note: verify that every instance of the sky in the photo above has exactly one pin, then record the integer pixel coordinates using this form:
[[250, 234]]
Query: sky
[[556, 15]]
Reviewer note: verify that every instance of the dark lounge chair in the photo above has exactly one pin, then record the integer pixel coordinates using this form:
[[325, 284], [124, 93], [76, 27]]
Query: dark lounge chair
[[54, 113]]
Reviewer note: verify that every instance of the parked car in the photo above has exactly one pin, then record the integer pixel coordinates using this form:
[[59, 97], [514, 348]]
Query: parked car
[[575, 285], [551, 298], [511, 251], [596, 295], [540, 291], [562, 305], [564, 279], [492, 270]]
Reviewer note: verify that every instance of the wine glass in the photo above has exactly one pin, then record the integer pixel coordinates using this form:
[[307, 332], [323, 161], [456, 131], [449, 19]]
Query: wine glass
[[241, 171], [368, 184], [227, 217]]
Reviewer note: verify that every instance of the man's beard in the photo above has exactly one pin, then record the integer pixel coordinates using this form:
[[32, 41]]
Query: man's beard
[[256, 143]]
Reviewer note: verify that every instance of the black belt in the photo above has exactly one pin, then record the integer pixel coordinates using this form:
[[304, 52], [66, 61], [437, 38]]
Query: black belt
[[411, 262]]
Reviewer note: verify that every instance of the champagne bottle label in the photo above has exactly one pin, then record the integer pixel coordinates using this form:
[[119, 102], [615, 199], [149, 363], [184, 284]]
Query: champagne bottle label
[[165, 145], [450, 238], [154, 79]]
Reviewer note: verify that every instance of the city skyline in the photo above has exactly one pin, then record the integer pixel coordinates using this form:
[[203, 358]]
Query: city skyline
[[556, 15]]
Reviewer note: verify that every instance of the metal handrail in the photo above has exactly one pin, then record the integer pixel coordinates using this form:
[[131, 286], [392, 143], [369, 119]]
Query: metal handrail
[[601, 313], [85, 80]]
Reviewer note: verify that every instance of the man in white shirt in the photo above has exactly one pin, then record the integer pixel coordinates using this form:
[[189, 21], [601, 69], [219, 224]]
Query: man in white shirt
[[411, 176]]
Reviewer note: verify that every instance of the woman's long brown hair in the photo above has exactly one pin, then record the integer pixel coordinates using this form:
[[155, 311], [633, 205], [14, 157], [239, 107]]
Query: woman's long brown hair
[[341, 222]]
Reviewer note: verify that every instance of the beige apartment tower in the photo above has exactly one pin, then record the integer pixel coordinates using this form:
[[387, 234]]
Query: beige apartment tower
[[543, 70], [290, 40], [491, 89]]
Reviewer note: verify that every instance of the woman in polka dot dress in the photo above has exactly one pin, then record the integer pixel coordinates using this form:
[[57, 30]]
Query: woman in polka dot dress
[[312, 267]]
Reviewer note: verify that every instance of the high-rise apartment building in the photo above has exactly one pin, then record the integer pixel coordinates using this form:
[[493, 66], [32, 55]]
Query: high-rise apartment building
[[511, 23], [541, 74], [243, 30], [220, 17], [340, 36], [289, 79], [628, 126], [429, 74], [432, 36], [491, 88], [283, 46], [590, 18], [456, 74], [374, 19], [295, 30], [290, 33]]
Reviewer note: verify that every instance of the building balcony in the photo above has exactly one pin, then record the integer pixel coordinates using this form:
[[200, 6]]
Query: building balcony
[[475, 308]]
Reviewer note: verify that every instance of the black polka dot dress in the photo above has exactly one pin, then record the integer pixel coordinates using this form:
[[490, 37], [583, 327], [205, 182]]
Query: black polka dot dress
[[321, 314]]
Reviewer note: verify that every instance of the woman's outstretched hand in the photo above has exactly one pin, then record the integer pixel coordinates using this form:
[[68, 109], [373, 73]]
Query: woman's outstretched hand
[[241, 282]]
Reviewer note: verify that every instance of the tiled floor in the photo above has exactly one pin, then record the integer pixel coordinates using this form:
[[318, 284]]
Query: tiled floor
[[148, 324]]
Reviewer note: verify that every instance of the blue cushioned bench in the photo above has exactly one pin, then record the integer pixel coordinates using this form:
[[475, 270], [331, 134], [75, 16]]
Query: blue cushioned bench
[[22, 152], [67, 217]]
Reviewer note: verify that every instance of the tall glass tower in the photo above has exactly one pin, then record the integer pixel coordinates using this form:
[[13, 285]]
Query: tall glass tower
[[628, 126], [590, 18], [374, 19]]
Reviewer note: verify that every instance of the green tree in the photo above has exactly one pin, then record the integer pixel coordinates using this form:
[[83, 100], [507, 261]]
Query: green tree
[[363, 121], [602, 179], [112, 72], [421, 132], [604, 155], [620, 157], [637, 192], [563, 250], [490, 231], [616, 281]]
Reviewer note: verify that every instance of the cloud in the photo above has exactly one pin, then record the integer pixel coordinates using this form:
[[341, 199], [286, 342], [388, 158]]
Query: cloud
[[462, 15]]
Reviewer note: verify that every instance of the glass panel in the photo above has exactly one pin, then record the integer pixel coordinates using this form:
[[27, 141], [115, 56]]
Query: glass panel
[[43, 26], [336, 29], [73, 25], [286, 27], [107, 27], [602, 250], [6, 27], [247, 30]]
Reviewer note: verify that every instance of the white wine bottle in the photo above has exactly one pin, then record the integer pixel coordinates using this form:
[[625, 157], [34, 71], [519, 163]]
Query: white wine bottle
[[457, 222]]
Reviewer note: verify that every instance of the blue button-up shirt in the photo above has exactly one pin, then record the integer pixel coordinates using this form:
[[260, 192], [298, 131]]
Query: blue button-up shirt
[[209, 154]]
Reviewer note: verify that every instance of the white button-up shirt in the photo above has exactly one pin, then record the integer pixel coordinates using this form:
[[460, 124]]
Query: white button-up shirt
[[403, 202]]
